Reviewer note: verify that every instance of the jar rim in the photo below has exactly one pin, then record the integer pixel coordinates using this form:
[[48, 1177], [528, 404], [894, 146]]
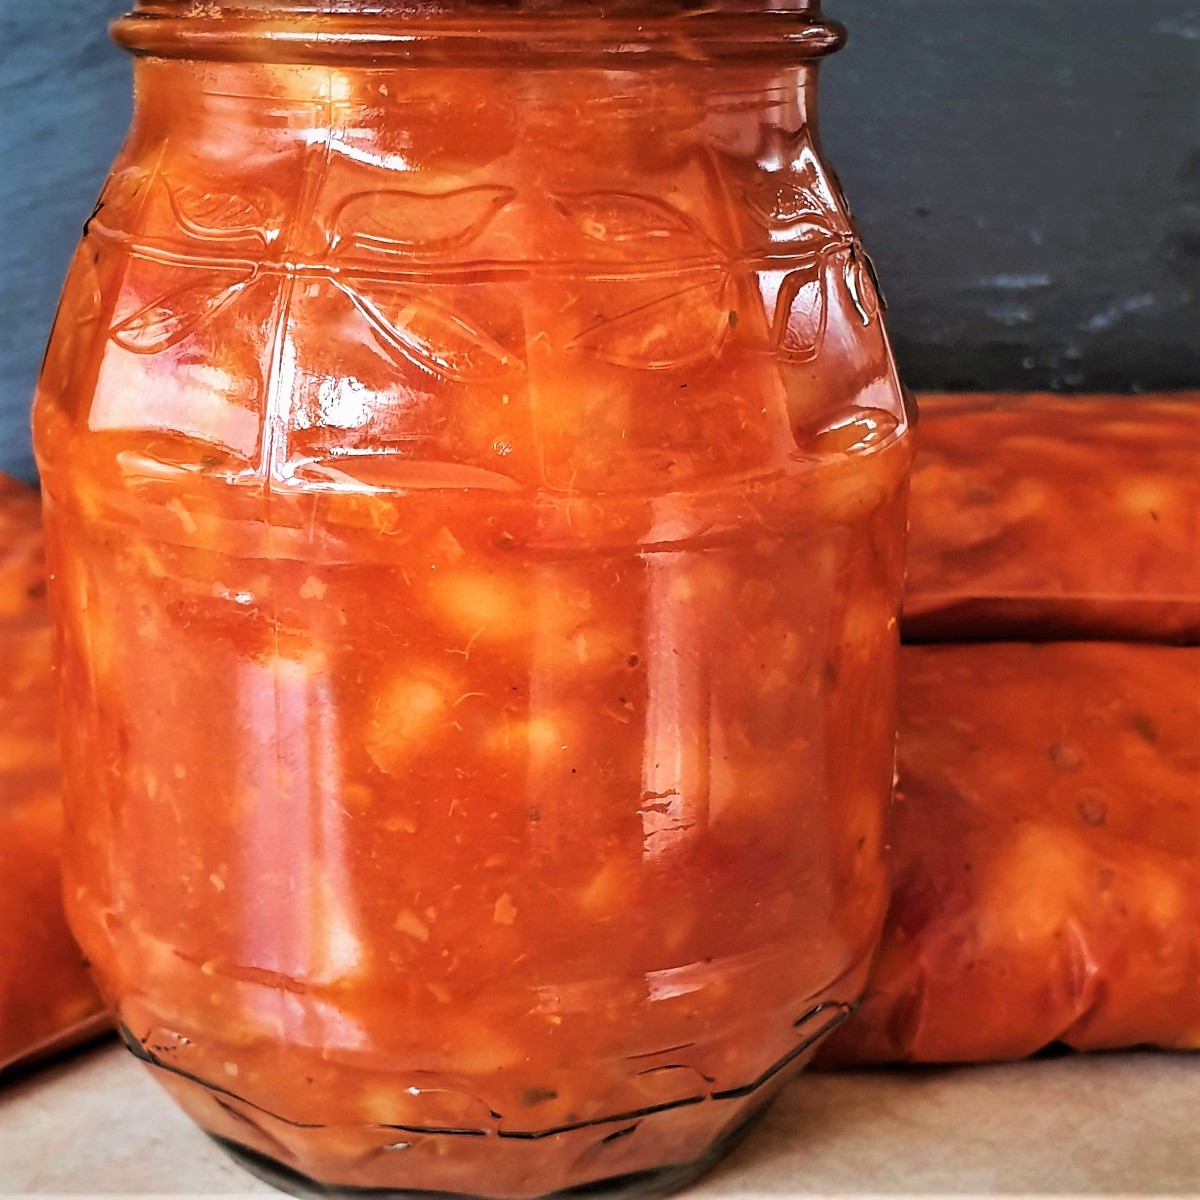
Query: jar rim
[[616, 33]]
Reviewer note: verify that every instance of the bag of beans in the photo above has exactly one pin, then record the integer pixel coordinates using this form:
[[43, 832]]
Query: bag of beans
[[1052, 517], [47, 1003], [1046, 856]]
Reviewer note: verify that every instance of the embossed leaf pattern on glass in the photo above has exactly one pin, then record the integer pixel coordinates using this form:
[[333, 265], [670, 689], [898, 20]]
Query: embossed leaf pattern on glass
[[123, 194], [171, 318], [802, 307], [412, 326], [399, 220], [617, 219], [798, 207], [650, 320], [859, 274], [214, 216], [407, 323], [645, 317], [801, 312], [686, 325], [192, 287], [794, 209], [77, 316]]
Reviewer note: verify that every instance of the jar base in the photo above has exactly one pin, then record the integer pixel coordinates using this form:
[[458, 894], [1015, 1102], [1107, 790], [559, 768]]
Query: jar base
[[662, 1181]]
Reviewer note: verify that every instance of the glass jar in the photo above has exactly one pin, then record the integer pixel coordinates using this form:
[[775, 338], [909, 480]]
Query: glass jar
[[475, 478]]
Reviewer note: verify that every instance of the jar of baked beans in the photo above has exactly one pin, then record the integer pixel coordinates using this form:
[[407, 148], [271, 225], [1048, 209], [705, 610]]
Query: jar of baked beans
[[475, 477]]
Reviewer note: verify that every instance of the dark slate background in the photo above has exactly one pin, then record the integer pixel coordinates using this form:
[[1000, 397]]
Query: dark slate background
[[1027, 173]]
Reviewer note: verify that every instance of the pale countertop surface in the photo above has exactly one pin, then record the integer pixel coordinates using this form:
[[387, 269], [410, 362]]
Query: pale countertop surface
[[97, 1124]]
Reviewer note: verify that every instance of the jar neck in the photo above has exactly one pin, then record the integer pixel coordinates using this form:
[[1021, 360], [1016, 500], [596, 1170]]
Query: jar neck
[[249, 126], [483, 32], [246, 103]]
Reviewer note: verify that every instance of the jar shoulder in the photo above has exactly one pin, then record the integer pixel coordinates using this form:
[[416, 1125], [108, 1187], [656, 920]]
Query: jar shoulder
[[360, 278]]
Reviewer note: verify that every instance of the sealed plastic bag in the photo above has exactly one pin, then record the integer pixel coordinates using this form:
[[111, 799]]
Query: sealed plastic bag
[[1046, 843], [46, 1001], [1045, 517]]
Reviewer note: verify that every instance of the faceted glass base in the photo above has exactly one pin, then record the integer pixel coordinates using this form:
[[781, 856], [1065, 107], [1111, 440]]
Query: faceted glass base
[[660, 1182]]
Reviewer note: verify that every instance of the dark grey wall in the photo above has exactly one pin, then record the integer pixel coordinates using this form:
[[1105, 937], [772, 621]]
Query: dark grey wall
[[1028, 176], [63, 105], [1027, 173]]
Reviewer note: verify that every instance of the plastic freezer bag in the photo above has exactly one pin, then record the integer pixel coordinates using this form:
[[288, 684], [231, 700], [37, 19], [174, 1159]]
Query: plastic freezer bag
[[1047, 517], [46, 1001], [1046, 842]]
